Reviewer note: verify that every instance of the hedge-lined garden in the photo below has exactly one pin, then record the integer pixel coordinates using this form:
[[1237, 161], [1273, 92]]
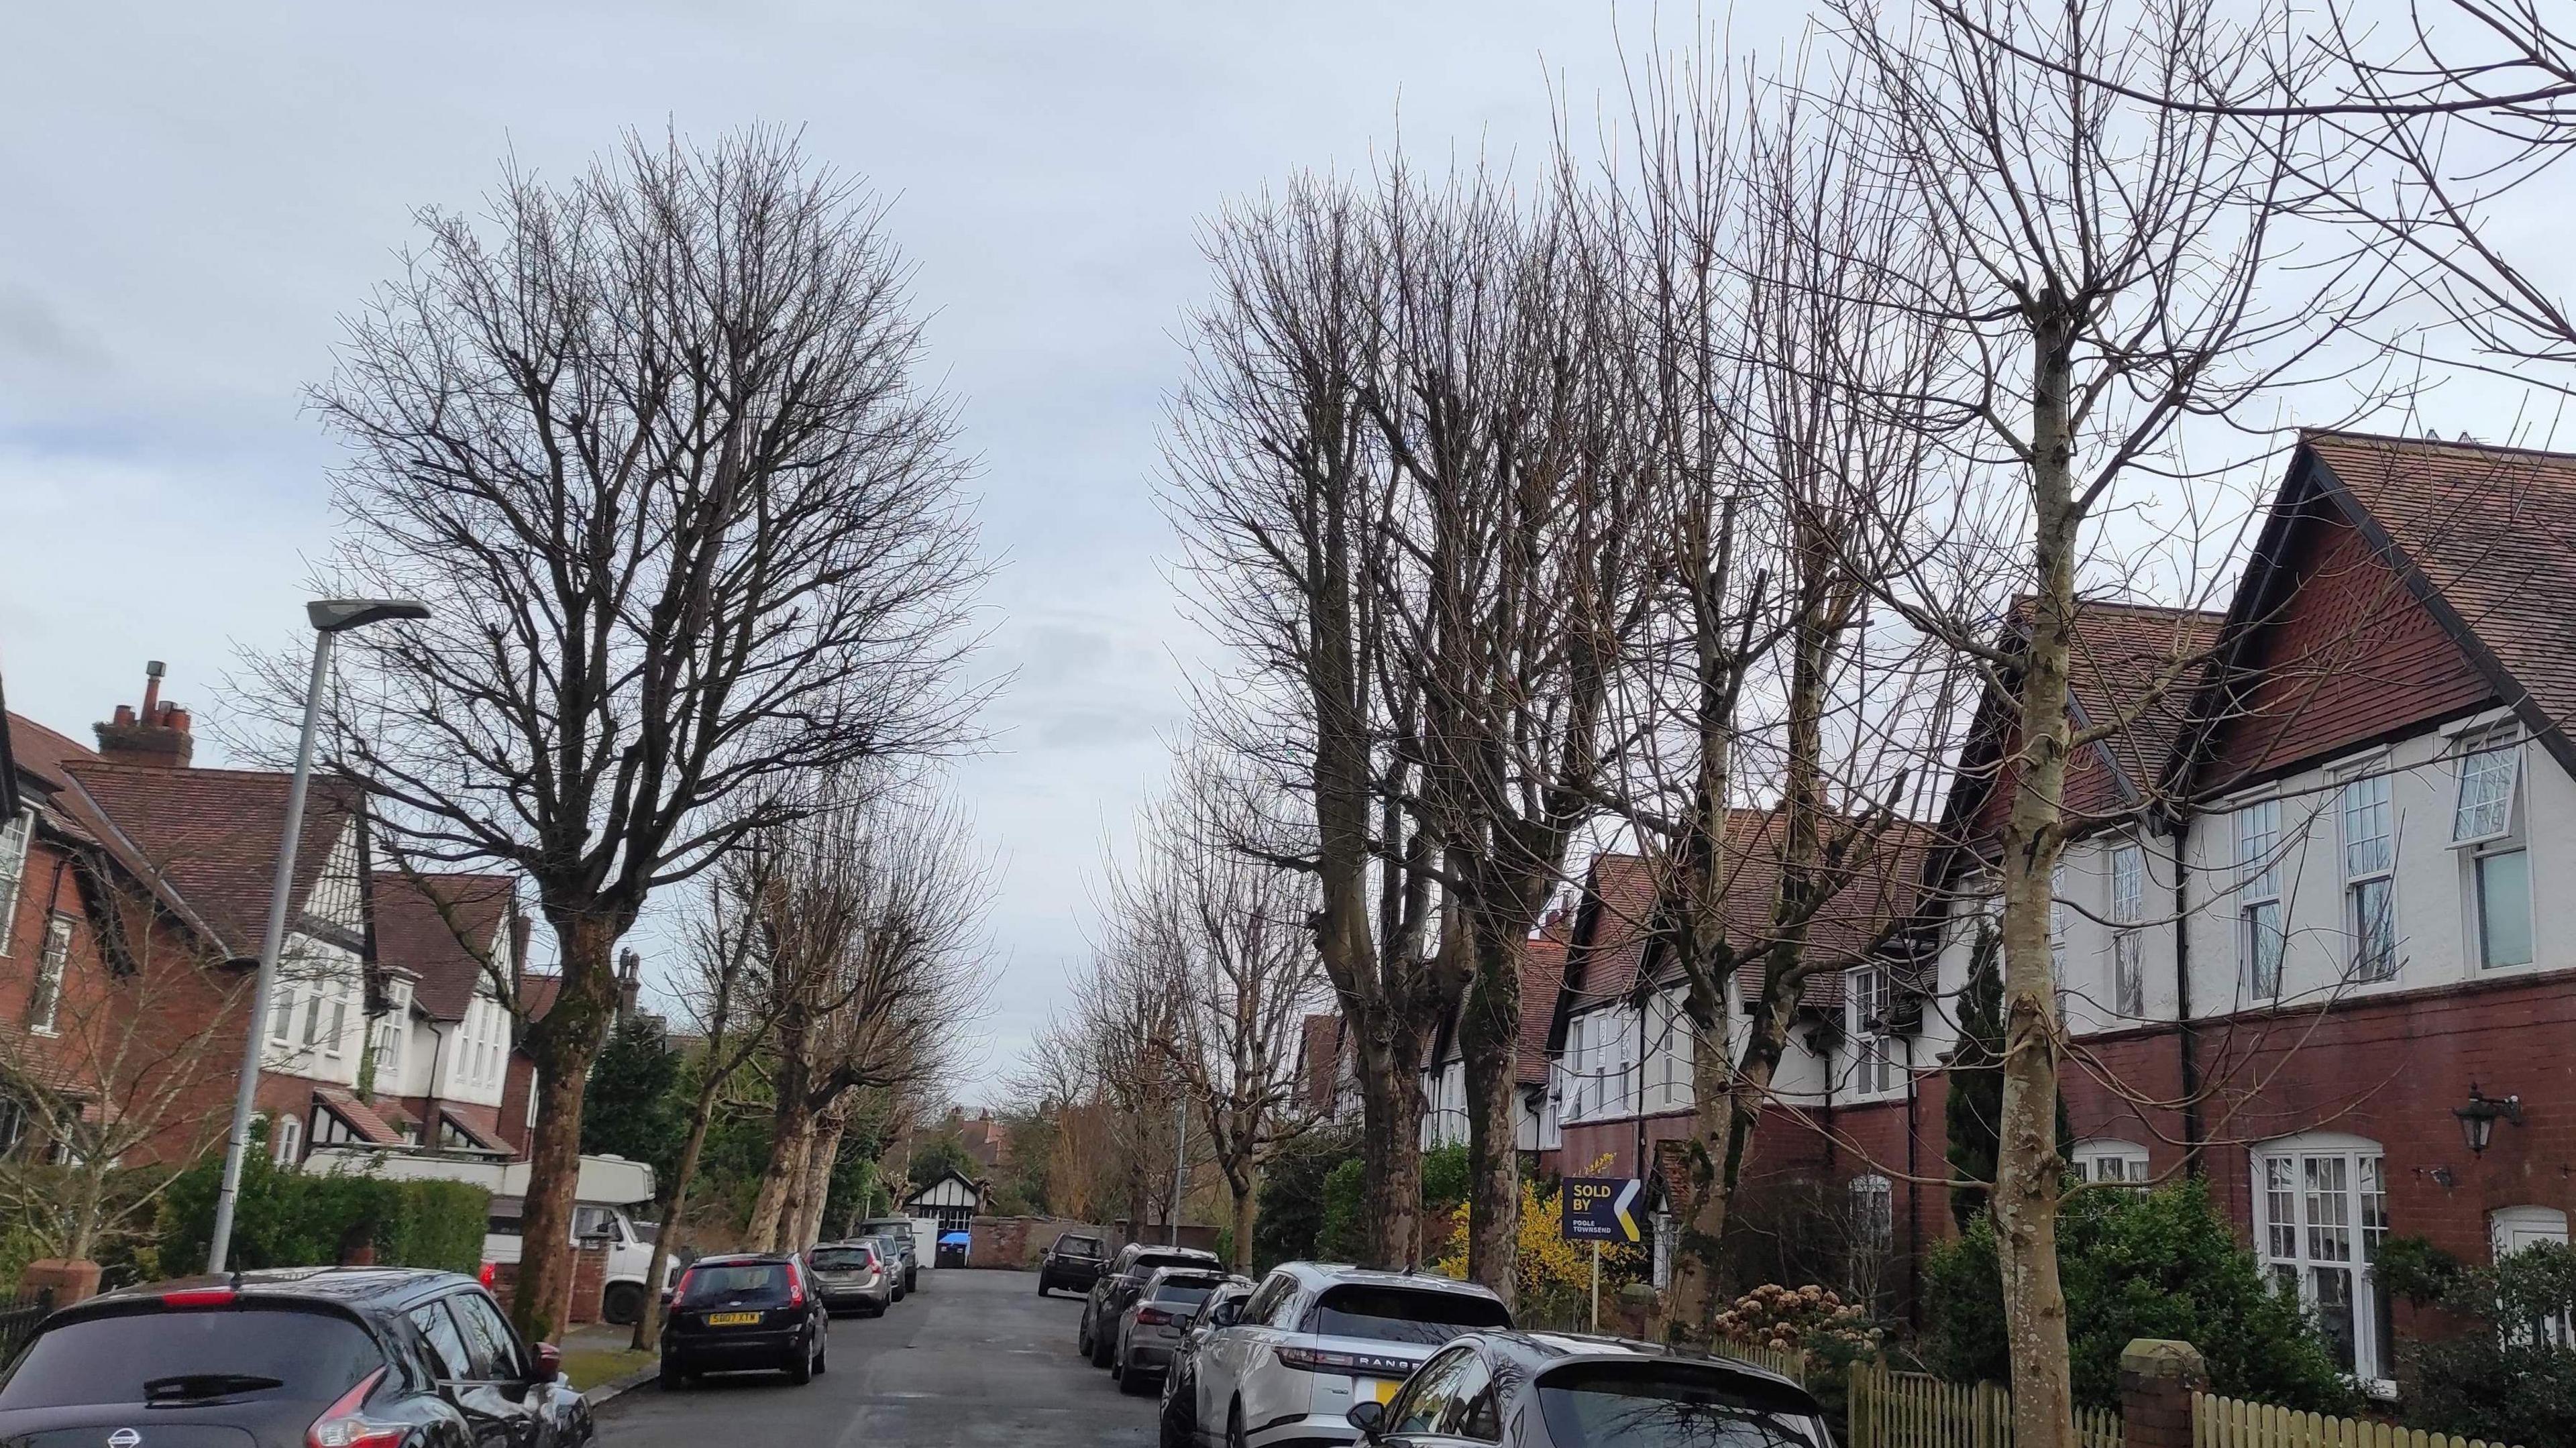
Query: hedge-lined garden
[[300, 1219]]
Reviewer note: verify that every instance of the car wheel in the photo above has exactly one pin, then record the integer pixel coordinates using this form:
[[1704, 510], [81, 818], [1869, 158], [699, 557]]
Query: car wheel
[[1042, 1284], [823, 1355], [1177, 1431], [672, 1379], [623, 1304], [800, 1365], [1101, 1348], [1135, 1384], [1082, 1332]]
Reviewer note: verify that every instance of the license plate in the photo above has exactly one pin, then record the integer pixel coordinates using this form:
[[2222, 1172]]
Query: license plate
[[732, 1319], [1375, 1389]]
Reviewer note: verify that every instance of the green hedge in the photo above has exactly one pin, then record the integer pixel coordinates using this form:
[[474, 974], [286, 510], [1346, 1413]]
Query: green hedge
[[296, 1219]]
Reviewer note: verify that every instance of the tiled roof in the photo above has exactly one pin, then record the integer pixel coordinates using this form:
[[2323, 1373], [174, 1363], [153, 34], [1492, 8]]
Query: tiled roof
[[42, 752], [208, 838], [442, 929], [2491, 531], [473, 1133], [537, 995], [361, 1117], [1620, 900]]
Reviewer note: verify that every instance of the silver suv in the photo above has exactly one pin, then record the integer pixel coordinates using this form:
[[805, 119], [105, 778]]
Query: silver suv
[[1315, 1338]]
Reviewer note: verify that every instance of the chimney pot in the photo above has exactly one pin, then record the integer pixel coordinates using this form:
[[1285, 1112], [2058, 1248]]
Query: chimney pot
[[152, 673], [124, 715], [175, 716]]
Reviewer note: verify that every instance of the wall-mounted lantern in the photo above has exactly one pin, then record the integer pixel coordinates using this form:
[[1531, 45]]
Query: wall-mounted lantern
[[2478, 1118]]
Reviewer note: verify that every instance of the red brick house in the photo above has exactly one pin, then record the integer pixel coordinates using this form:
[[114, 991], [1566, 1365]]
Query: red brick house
[[2305, 947]]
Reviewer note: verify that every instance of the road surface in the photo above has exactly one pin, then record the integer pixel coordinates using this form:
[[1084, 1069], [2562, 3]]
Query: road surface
[[972, 1358]]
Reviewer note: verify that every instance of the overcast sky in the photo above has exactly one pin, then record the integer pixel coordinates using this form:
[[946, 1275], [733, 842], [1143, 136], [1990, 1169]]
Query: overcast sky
[[191, 195]]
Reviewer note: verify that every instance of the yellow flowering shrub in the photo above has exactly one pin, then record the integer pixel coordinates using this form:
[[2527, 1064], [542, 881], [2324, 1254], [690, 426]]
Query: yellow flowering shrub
[[1555, 1275]]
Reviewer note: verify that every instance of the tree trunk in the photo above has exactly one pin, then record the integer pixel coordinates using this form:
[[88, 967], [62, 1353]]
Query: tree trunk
[[2028, 1169], [674, 1201], [782, 1175], [1489, 1038], [1241, 1185], [561, 1045], [821, 1157], [1391, 1117]]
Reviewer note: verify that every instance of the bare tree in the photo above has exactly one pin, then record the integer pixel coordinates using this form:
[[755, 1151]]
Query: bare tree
[[1229, 939], [871, 934], [2105, 270], [651, 445], [1279, 482]]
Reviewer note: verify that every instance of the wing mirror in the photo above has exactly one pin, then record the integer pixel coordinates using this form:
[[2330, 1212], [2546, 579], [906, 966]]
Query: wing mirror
[[1367, 1415], [1225, 1314], [549, 1363]]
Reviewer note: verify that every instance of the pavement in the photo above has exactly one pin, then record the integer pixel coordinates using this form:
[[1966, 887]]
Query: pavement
[[973, 1357]]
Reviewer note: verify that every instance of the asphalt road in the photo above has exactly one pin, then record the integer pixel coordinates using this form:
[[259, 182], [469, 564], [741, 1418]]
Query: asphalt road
[[971, 1358]]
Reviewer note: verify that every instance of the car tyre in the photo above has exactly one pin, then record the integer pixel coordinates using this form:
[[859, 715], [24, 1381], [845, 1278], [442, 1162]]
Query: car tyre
[[1176, 1429], [1101, 1350], [671, 1378], [623, 1303], [800, 1367], [823, 1354], [1135, 1384], [1082, 1333]]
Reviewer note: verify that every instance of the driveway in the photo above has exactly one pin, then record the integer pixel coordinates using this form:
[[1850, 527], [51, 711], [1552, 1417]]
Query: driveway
[[972, 1358]]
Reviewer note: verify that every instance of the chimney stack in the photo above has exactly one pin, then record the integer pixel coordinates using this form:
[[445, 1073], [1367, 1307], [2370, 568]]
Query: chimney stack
[[158, 736]]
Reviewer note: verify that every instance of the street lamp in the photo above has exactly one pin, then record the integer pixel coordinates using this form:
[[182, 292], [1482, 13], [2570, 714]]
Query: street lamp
[[330, 617]]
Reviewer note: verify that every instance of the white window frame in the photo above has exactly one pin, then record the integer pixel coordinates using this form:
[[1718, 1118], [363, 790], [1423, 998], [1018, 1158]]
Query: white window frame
[[53, 961], [2519, 1229], [2321, 1211], [2491, 759], [1868, 991], [332, 1043], [2360, 783], [1873, 1199], [2112, 1162], [2128, 941], [290, 1137], [2257, 825], [15, 833]]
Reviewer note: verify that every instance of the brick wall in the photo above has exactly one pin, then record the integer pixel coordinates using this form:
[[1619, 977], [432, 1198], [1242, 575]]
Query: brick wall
[[582, 1299]]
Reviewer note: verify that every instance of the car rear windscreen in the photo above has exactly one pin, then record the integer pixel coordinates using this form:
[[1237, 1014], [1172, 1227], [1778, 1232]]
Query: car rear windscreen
[[1184, 1294], [1396, 1314], [1078, 1246], [734, 1284], [1662, 1405], [843, 1259], [1146, 1262], [192, 1355]]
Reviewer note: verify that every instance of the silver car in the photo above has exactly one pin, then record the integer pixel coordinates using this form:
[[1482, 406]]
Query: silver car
[[853, 1277], [1152, 1325], [1315, 1338]]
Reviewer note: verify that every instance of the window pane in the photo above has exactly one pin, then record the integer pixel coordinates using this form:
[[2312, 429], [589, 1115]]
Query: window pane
[[2504, 908], [2330, 1290], [2374, 930], [2258, 835], [2329, 1202], [2129, 973], [2261, 942], [2128, 884], [2366, 827], [2486, 793]]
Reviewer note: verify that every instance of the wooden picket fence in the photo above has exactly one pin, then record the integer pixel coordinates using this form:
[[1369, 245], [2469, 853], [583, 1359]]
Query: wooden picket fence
[[2218, 1422], [1787, 1362], [1918, 1410]]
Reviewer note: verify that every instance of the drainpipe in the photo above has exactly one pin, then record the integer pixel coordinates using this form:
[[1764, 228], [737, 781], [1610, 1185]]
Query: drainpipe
[[2186, 1036]]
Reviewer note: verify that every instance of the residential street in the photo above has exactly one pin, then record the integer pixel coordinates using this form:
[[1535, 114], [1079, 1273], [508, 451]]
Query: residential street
[[974, 1357]]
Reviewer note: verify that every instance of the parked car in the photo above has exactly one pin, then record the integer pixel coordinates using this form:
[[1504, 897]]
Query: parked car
[[900, 1229], [854, 1276], [892, 1250], [1317, 1338], [1152, 1325], [744, 1310], [1119, 1283], [1179, 1423], [1549, 1390], [1073, 1264], [287, 1359]]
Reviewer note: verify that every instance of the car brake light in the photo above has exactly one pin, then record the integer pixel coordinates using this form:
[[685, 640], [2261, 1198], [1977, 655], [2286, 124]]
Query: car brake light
[[198, 1297], [489, 1275], [1346, 1364], [795, 1286], [345, 1424], [1152, 1317]]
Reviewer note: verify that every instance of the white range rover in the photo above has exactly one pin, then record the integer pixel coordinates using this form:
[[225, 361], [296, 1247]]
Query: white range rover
[[1315, 1338]]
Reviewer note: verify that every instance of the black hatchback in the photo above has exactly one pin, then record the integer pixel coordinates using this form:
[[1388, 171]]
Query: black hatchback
[[313, 1358], [747, 1310]]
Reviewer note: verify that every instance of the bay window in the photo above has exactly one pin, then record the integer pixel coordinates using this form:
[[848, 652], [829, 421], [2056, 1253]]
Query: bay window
[[13, 868], [2258, 899], [2369, 874], [2120, 1162], [2323, 1206]]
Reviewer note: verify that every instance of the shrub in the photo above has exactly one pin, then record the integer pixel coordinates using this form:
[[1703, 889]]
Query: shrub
[[296, 1219], [1554, 1276], [1808, 1319], [1341, 1233], [2504, 1379], [2160, 1264]]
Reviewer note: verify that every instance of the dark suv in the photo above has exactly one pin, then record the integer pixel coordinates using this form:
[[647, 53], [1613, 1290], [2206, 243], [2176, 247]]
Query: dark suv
[[381, 1357], [1119, 1283], [1073, 1264], [750, 1310]]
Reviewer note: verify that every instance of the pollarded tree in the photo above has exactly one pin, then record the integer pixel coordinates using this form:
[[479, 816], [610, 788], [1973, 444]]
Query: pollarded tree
[[652, 445]]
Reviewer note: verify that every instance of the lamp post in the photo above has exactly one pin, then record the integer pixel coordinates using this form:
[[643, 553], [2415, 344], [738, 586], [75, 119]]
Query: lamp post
[[330, 617]]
